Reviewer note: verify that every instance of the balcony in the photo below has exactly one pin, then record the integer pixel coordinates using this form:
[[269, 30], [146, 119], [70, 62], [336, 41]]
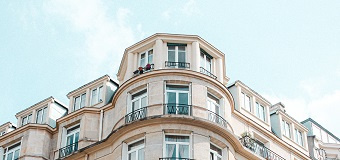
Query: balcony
[[141, 70], [259, 149], [68, 150], [206, 72], [180, 109], [173, 158], [136, 115], [177, 64], [212, 116]]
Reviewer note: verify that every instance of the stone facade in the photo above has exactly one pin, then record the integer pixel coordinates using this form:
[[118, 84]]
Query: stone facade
[[174, 101]]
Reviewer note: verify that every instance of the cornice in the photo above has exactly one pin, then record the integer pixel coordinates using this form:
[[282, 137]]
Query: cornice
[[25, 128]]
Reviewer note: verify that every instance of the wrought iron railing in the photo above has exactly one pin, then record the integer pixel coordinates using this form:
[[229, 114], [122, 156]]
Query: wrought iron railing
[[141, 70], [214, 117], [173, 108], [206, 72], [135, 115], [173, 158], [65, 151], [177, 64], [259, 149]]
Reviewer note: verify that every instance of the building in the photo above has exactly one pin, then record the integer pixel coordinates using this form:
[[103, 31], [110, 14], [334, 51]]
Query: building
[[322, 144], [173, 102]]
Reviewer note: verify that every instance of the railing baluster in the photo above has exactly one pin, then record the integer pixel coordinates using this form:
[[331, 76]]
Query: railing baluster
[[136, 115], [206, 72], [67, 150], [178, 64]]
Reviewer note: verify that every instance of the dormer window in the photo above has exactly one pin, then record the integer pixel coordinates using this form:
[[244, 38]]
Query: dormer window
[[79, 102], [206, 60], [26, 119], [298, 137], [260, 111], [146, 58], [97, 95], [177, 56], [41, 115], [245, 101], [286, 129]]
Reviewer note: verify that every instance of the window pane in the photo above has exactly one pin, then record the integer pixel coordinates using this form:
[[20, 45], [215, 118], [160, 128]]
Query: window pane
[[83, 98], [242, 100], [150, 58], [247, 103], [135, 145], [94, 99], [257, 110], [16, 154], [171, 54], [100, 94], [174, 138], [132, 156], [170, 150], [143, 101], [76, 103], [135, 105], [24, 121], [142, 60], [171, 97], [177, 87], [183, 151], [29, 118], [69, 140], [214, 148], [183, 98], [202, 60], [208, 64], [181, 56], [10, 156], [39, 116], [141, 154], [44, 115]]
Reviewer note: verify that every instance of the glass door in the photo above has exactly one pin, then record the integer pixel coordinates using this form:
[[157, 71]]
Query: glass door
[[177, 99]]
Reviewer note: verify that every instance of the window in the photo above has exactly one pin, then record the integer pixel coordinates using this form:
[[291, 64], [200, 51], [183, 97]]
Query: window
[[286, 129], [177, 99], [79, 102], [177, 146], [176, 53], [26, 119], [206, 60], [12, 152], [215, 153], [96, 95], [139, 100], [245, 101], [260, 111], [213, 104], [41, 115], [136, 150], [146, 58], [72, 137], [298, 137]]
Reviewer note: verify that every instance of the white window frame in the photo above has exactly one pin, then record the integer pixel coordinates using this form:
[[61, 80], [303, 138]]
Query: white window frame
[[73, 132], [177, 94], [6, 151], [176, 53], [43, 115], [299, 138], [146, 57], [205, 57], [211, 101], [177, 143], [140, 97], [244, 94], [80, 99], [98, 99], [28, 118], [136, 149], [258, 105], [215, 153], [284, 128]]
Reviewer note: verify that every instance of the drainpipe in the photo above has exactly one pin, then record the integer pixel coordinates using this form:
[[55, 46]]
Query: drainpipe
[[101, 125]]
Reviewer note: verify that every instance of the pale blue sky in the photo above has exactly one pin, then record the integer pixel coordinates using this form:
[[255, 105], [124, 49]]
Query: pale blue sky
[[286, 50]]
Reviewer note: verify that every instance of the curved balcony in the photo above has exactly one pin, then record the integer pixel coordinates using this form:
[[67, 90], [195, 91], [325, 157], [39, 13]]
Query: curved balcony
[[136, 115], [259, 149], [68, 150], [214, 117], [180, 109], [206, 72]]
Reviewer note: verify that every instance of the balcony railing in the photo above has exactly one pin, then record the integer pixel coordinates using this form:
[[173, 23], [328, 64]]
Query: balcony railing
[[206, 72], [135, 115], [181, 109], [172, 158], [177, 64], [141, 70], [259, 149], [214, 117], [65, 151]]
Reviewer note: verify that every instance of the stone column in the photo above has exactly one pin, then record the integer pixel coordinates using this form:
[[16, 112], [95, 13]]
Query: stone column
[[219, 69], [195, 57], [129, 66], [158, 54], [87, 100]]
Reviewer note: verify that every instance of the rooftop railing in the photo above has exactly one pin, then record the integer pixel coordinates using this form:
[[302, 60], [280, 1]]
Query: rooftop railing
[[136, 115], [67, 150], [259, 149], [206, 72], [177, 64], [181, 109]]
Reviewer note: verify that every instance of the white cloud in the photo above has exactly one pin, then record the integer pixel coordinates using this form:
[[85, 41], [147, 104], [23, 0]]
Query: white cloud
[[106, 33], [190, 8], [324, 108]]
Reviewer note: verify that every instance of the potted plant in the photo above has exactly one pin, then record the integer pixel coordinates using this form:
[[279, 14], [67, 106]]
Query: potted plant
[[140, 70], [148, 67]]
